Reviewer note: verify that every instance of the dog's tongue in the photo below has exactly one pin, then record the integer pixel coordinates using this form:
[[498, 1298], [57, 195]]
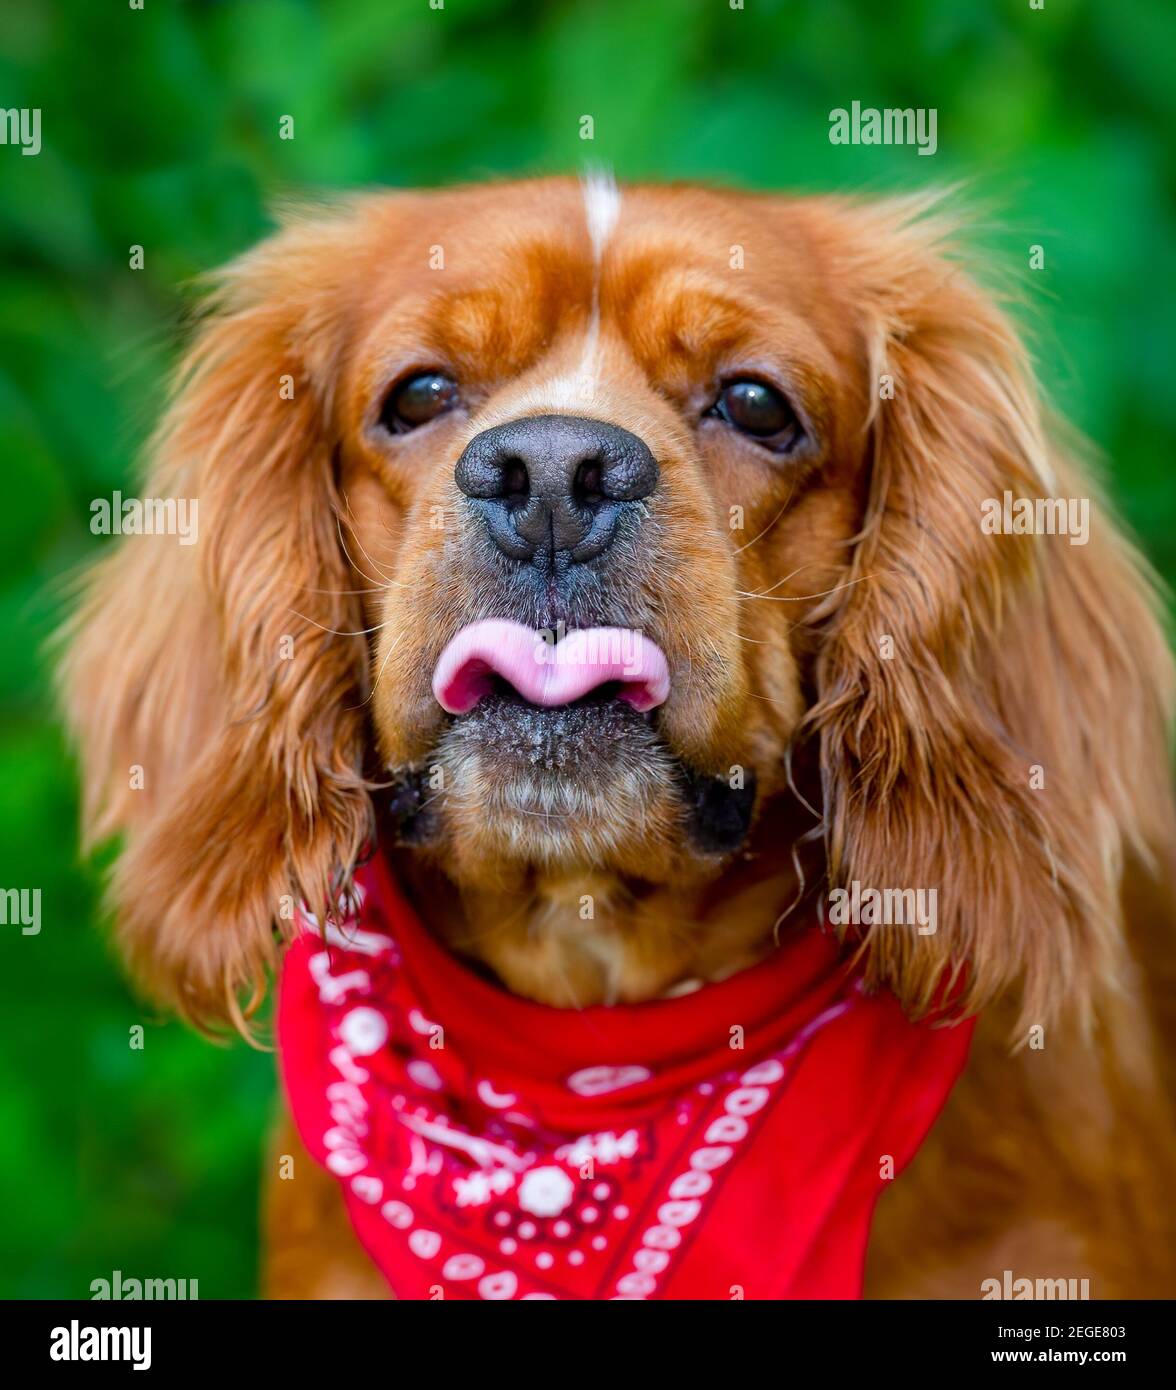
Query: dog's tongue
[[549, 674]]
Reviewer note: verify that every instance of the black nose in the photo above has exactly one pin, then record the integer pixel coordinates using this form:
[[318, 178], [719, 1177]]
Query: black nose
[[555, 485]]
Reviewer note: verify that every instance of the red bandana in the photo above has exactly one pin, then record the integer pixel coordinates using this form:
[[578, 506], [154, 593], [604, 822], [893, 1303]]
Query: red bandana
[[729, 1143]]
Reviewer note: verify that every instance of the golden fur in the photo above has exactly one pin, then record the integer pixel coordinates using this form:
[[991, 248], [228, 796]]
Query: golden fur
[[262, 757]]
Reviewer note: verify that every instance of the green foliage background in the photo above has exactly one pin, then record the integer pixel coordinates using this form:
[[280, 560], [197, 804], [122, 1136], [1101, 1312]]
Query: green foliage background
[[160, 128]]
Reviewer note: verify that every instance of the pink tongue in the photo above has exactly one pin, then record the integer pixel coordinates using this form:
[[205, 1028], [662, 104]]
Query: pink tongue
[[546, 674]]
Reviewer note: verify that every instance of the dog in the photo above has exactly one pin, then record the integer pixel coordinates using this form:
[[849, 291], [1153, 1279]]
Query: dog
[[746, 444]]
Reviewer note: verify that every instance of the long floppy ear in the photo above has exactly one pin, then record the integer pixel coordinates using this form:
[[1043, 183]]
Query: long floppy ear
[[1011, 753], [214, 703]]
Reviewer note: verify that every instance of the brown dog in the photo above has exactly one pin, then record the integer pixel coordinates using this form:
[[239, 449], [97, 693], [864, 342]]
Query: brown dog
[[828, 403]]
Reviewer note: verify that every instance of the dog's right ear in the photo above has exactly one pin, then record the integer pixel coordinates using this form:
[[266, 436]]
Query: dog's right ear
[[213, 682], [1013, 755]]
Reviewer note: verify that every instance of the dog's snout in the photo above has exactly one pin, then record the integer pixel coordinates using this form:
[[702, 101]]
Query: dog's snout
[[555, 485]]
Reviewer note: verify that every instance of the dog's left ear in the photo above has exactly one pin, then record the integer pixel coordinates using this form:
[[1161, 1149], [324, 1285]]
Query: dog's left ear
[[215, 688], [993, 709]]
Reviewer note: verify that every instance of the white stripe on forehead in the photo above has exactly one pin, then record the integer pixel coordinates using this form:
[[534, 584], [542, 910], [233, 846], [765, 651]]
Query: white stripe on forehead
[[575, 388], [602, 207]]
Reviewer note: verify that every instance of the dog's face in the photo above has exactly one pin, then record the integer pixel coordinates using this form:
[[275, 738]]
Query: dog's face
[[612, 421], [731, 454]]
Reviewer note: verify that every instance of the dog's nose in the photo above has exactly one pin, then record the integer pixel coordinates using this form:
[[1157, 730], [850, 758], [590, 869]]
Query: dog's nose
[[555, 485]]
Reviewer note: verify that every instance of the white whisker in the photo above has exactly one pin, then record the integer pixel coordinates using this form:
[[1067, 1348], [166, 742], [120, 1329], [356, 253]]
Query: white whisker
[[747, 546], [361, 632], [354, 529], [381, 583], [383, 665], [767, 597]]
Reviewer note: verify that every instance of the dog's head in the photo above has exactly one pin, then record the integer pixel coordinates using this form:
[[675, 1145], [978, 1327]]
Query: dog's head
[[573, 530], [575, 462]]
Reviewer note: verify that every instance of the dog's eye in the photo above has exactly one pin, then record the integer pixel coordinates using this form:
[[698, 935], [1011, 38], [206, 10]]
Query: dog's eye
[[759, 410], [418, 400]]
